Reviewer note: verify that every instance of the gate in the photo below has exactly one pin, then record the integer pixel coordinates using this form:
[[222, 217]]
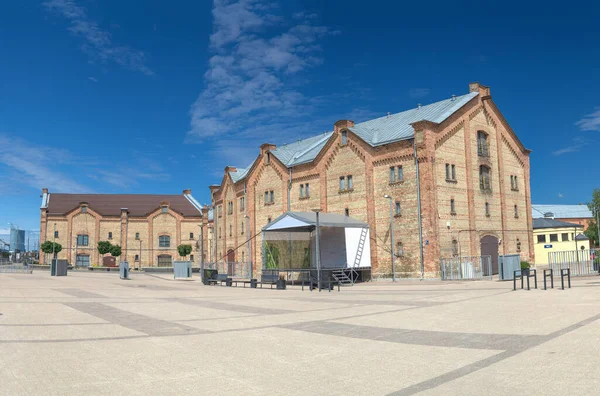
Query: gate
[[509, 263], [461, 268], [581, 262]]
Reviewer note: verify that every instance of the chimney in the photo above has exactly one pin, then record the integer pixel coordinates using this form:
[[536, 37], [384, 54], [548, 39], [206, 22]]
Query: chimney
[[482, 89], [44, 191], [388, 114], [453, 98], [265, 147], [342, 124], [419, 106], [187, 192]]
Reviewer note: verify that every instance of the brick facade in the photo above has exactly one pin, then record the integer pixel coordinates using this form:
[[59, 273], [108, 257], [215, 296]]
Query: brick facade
[[138, 235], [453, 142]]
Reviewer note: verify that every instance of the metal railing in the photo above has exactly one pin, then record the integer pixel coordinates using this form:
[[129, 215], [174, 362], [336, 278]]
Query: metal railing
[[462, 268], [580, 262], [21, 268], [233, 269]]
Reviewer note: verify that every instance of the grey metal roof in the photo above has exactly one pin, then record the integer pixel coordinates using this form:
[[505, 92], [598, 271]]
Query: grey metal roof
[[239, 174], [325, 220], [562, 211], [581, 237], [302, 151], [397, 126], [551, 223]]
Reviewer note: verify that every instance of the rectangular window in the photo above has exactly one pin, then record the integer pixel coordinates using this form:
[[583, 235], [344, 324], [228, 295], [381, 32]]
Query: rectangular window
[[484, 178], [516, 211], [350, 185], [487, 209], [243, 257], [306, 190], [82, 260], [136, 257], [242, 204], [165, 209], [398, 209], [453, 172], [191, 257], [301, 190], [399, 249], [137, 235], [452, 207], [553, 237], [110, 235], [347, 212], [268, 220], [447, 171], [82, 240], [272, 196], [392, 174], [400, 174], [55, 234], [565, 236], [344, 138], [516, 184], [512, 182], [83, 209], [268, 159], [242, 229], [541, 239], [266, 197], [191, 235], [164, 241], [342, 183], [230, 230], [220, 210]]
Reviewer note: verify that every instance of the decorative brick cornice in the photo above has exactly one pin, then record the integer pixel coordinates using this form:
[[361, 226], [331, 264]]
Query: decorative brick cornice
[[392, 160], [513, 151], [442, 139], [313, 176]]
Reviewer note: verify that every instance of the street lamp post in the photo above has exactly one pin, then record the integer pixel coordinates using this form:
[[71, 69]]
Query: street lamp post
[[249, 254], [318, 246], [140, 258], [202, 248], [392, 238]]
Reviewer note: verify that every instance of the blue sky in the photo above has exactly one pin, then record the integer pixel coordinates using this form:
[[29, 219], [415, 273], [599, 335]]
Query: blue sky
[[119, 97]]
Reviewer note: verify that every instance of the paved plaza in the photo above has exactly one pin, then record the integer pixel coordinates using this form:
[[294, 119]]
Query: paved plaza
[[94, 334]]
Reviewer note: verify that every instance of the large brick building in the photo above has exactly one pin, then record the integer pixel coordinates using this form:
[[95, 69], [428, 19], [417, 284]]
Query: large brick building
[[473, 179], [147, 227]]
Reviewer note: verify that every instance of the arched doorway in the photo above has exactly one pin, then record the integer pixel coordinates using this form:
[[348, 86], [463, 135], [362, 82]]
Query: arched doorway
[[230, 261], [489, 247], [164, 260]]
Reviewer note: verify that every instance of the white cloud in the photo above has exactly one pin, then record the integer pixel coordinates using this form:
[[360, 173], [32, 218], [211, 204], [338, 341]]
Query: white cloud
[[590, 122], [417, 93], [576, 144], [248, 82], [92, 79], [561, 195], [98, 42]]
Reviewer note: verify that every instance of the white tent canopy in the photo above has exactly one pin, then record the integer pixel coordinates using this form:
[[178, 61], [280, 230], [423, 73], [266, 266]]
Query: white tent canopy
[[344, 240]]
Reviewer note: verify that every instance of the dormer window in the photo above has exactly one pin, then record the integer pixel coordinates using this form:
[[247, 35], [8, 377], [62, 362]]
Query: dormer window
[[344, 138], [84, 209], [165, 209]]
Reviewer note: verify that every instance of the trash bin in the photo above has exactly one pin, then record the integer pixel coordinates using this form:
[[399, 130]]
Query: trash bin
[[253, 283], [124, 270], [182, 269], [60, 268], [229, 282]]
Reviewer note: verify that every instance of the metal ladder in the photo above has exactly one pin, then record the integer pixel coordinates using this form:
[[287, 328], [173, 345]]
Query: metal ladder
[[361, 247]]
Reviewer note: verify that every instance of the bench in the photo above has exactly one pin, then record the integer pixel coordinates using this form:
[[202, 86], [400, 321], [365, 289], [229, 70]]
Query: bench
[[219, 278], [269, 279], [245, 282]]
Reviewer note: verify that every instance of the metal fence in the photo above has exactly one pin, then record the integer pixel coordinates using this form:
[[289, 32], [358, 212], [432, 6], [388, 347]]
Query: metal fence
[[507, 265], [581, 262], [461, 268], [9, 267], [233, 269]]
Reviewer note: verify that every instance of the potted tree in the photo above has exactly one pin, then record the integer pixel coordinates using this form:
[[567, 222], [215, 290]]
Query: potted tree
[[184, 250], [103, 248], [525, 268], [54, 248]]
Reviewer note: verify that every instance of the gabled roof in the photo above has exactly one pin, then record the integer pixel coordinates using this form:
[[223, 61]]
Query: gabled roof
[[551, 223], [302, 151], [562, 211], [111, 204], [398, 126], [302, 220], [239, 174], [581, 237]]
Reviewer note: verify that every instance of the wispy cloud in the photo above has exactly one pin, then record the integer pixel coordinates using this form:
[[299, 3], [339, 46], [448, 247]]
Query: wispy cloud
[[92, 79], [36, 166], [98, 43], [256, 54], [590, 122], [561, 195], [417, 93], [576, 144]]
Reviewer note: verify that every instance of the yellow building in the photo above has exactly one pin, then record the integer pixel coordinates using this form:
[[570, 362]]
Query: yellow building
[[551, 235]]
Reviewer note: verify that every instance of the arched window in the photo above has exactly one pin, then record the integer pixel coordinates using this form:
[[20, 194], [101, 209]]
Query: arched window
[[164, 241], [482, 144], [484, 178]]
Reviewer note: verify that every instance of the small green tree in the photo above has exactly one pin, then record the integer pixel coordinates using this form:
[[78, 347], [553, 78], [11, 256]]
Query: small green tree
[[115, 250], [104, 247], [51, 247], [184, 250], [594, 206]]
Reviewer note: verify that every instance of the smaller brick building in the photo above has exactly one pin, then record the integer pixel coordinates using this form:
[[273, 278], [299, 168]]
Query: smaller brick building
[[147, 227]]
